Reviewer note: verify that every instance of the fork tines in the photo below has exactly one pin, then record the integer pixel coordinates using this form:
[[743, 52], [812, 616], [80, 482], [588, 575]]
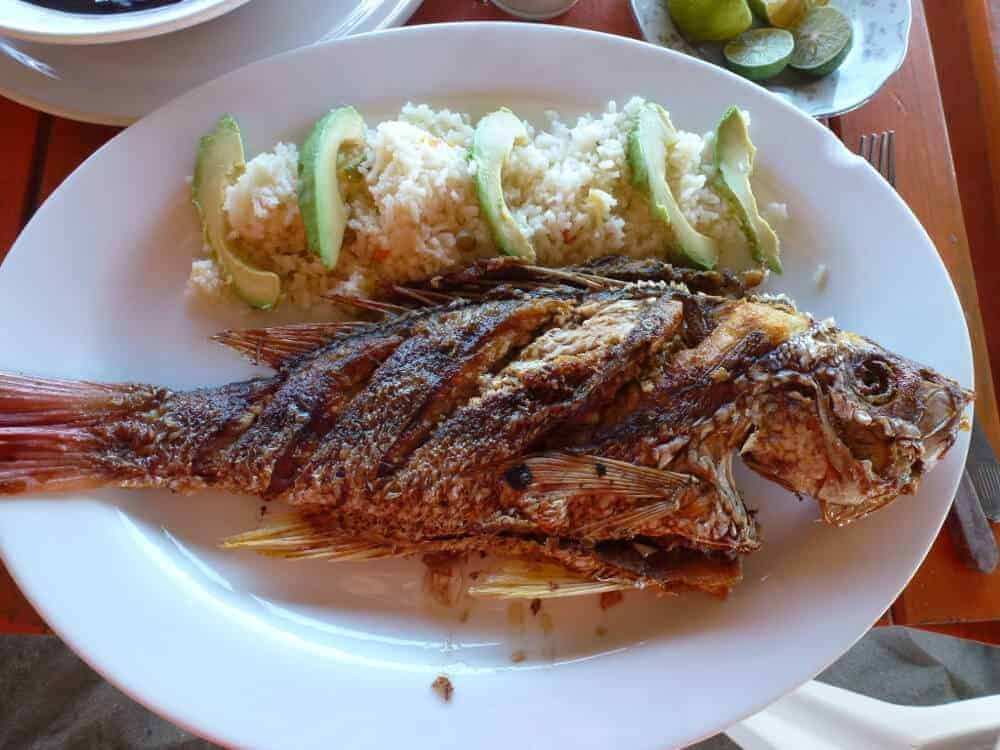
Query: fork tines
[[879, 150]]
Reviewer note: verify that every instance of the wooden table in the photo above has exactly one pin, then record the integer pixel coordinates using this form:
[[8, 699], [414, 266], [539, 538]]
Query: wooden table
[[39, 151]]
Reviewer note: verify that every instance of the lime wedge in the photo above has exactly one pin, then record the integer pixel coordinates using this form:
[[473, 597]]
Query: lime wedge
[[822, 41], [781, 13], [710, 20], [759, 54]]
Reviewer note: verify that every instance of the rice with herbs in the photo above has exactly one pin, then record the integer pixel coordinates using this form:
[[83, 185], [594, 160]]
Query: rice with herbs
[[413, 209]]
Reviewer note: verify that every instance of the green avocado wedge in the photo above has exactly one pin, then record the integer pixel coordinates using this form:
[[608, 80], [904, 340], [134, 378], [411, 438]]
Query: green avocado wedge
[[734, 160], [647, 157], [220, 158], [320, 201], [496, 135]]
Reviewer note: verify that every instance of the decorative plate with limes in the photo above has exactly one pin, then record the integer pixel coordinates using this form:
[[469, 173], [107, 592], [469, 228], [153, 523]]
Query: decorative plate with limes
[[826, 57]]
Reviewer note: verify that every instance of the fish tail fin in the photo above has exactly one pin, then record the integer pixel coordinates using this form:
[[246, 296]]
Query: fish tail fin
[[29, 401], [48, 458], [47, 435]]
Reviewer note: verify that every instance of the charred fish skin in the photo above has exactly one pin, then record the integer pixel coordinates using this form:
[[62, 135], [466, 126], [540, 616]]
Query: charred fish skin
[[433, 372], [565, 371], [544, 414]]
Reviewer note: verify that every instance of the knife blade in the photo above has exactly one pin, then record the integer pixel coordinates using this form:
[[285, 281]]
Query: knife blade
[[984, 471], [970, 531]]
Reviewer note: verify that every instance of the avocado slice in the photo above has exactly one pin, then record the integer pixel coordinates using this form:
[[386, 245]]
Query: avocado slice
[[220, 158], [647, 157], [495, 137], [734, 158], [320, 201]]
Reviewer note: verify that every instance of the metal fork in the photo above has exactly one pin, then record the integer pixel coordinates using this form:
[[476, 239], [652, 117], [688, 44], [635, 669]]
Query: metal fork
[[879, 150]]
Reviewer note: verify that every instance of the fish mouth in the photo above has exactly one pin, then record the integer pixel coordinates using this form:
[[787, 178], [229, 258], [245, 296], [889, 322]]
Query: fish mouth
[[836, 513], [943, 417], [769, 473]]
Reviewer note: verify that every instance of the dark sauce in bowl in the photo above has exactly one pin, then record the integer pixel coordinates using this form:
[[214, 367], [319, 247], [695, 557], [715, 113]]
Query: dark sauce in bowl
[[101, 6]]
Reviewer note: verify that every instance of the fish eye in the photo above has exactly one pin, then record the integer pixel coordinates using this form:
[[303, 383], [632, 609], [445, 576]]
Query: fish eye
[[874, 380]]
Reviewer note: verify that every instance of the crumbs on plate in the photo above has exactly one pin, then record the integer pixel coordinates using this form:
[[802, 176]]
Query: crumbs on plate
[[443, 687]]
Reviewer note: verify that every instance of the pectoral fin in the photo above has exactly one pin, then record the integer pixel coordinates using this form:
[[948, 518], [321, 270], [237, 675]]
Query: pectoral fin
[[565, 474]]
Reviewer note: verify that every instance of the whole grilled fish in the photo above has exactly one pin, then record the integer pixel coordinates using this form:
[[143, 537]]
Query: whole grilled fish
[[582, 418]]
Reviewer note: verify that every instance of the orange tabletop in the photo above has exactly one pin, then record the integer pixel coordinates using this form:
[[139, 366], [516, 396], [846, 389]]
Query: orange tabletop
[[40, 150]]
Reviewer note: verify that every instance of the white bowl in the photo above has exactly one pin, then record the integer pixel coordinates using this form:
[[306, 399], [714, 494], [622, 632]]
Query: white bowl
[[23, 20], [116, 84]]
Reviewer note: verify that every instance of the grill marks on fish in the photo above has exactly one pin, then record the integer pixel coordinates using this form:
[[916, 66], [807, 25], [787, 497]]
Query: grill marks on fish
[[500, 340], [243, 456], [565, 371], [434, 371], [308, 402], [693, 383], [199, 423]]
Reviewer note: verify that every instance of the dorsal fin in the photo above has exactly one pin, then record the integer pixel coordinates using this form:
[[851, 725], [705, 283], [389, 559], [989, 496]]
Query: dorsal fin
[[279, 345], [493, 272], [364, 303], [608, 272], [424, 296]]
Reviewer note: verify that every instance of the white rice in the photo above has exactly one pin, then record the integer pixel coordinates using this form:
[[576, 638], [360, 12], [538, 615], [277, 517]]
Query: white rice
[[262, 207], [413, 210]]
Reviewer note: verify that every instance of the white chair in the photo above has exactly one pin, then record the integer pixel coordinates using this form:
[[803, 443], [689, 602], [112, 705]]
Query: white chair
[[821, 717]]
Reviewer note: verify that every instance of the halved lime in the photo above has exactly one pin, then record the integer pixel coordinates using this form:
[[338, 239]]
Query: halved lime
[[781, 13], [760, 54], [822, 41], [710, 20]]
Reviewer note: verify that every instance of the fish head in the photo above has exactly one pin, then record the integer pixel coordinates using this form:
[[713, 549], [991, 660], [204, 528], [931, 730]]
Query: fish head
[[849, 423]]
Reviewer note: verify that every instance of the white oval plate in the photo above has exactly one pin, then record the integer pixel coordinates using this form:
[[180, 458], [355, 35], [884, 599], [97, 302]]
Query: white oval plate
[[255, 652], [117, 84], [881, 36], [26, 21]]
